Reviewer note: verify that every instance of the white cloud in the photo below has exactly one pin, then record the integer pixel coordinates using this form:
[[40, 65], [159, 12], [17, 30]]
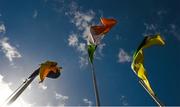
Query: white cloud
[[42, 86], [86, 101], [83, 61], [82, 48], [9, 51], [73, 40], [156, 26], [6, 91], [123, 100], [82, 20], [175, 30], [153, 28], [100, 48], [123, 56], [150, 26], [161, 12], [61, 98], [35, 14], [2, 28]]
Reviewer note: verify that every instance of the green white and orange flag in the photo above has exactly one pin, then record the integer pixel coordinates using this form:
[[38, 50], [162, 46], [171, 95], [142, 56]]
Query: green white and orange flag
[[97, 33], [138, 59]]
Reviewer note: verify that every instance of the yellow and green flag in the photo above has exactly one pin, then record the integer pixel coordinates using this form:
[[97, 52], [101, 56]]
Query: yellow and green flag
[[138, 59]]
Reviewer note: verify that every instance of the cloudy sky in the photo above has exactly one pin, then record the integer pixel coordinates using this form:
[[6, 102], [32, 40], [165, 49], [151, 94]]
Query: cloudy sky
[[33, 31]]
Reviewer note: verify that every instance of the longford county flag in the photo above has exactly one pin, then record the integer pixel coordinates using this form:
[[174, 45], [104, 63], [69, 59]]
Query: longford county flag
[[48, 69], [138, 58]]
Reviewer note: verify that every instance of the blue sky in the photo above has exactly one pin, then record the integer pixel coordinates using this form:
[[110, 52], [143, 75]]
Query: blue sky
[[32, 32]]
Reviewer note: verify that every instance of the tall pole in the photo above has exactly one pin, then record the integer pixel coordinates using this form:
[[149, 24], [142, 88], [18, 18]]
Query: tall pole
[[154, 97], [20, 91], [12, 98], [95, 86]]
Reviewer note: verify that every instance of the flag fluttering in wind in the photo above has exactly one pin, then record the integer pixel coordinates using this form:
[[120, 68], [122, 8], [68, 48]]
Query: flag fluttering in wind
[[97, 33], [91, 50], [48, 69], [138, 60]]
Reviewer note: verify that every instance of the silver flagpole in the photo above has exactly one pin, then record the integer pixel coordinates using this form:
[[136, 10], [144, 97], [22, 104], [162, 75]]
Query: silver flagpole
[[12, 98], [20, 91], [5, 102], [95, 85], [154, 97]]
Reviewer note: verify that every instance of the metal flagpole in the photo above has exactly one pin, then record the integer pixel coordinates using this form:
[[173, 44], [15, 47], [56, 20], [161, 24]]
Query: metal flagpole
[[21, 88], [95, 86], [154, 97], [12, 94], [20, 91]]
